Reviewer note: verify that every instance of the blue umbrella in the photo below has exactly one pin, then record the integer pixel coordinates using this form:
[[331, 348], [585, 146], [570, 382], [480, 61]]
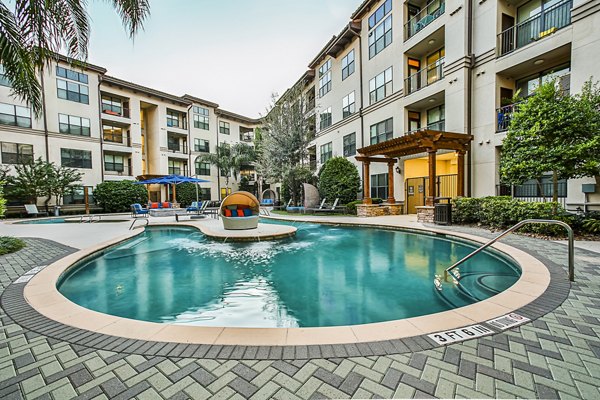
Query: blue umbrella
[[172, 180]]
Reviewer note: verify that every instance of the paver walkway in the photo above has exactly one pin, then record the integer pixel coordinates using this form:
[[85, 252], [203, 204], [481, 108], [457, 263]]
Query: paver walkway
[[556, 356]]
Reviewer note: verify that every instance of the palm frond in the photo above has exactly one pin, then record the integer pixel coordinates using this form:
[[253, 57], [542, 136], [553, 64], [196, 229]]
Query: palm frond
[[133, 13]]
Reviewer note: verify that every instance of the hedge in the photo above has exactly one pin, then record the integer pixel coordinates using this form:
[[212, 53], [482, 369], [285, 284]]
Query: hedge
[[339, 179], [118, 196], [10, 244]]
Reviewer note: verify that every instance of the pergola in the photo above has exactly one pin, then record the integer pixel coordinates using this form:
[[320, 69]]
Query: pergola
[[424, 141]]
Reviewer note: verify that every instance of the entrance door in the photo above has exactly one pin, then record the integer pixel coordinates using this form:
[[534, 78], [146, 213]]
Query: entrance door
[[416, 192]]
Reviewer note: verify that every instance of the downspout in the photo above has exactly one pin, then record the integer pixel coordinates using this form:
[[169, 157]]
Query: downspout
[[218, 169], [360, 112], [102, 130], [470, 93], [44, 116], [189, 146]]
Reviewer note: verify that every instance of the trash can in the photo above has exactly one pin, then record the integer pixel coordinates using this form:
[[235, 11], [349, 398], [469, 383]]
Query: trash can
[[56, 211], [443, 213]]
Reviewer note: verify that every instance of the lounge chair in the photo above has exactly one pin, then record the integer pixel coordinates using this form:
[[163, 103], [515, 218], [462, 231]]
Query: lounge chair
[[318, 208], [334, 208], [240, 210], [289, 203], [33, 210], [195, 206], [137, 210], [267, 203]]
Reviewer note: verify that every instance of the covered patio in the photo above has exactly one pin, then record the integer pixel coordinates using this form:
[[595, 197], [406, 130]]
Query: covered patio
[[424, 141]]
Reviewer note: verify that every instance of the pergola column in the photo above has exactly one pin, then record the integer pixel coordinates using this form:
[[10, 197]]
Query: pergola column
[[391, 199], [460, 181], [430, 201], [366, 183]]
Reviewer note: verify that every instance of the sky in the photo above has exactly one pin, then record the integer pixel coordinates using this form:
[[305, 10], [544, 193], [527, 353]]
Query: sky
[[233, 52]]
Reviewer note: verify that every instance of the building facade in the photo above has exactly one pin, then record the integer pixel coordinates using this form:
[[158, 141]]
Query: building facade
[[111, 129], [453, 66]]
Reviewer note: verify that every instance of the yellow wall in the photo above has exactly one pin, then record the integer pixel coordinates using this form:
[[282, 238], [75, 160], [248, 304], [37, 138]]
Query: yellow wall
[[419, 167]]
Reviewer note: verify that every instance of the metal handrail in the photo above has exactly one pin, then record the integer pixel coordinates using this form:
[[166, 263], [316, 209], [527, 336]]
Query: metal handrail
[[136, 220], [513, 228]]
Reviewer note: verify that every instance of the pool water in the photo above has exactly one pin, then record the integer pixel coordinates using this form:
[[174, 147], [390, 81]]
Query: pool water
[[325, 276]]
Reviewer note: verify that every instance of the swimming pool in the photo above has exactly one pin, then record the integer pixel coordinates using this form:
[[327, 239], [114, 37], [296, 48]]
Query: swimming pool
[[325, 276]]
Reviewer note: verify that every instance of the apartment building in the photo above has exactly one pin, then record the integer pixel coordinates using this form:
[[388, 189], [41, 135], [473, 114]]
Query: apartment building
[[111, 129], [400, 67]]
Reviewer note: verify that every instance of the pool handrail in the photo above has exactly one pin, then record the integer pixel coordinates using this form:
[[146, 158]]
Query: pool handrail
[[135, 220], [518, 225]]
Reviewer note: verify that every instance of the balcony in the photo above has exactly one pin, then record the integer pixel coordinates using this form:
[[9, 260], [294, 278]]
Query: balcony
[[426, 16], [504, 116], [116, 111], [425, 77], [535, 28], [177, 149], [434, 126], [247, 136]]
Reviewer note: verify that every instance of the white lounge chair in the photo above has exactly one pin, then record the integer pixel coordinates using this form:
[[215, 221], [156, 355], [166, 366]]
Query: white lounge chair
[[33, 210]]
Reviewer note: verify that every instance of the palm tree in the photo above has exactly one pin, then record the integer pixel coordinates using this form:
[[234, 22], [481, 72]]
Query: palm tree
[[37, 30], [230, 159]]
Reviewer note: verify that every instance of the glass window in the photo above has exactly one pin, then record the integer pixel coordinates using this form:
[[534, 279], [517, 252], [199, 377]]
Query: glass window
[[177, 167], [76, 195], [112, 133], [72, 91], [201, 145], [381, 12], [325, 119], [224, 128], [3, 79], [200, 117], [112, 105], [436, 118], [382, 131], [325, 78], [348, 65], [202, 168], [379, 186], [76, 158], [326, 152], [72, 75], [348, 105], [528, 85], [15, 115], [381, 37], [73, 125], [113, 162], [176, 119], [350, 145], [381, 86], [17, 153], [173, 143]]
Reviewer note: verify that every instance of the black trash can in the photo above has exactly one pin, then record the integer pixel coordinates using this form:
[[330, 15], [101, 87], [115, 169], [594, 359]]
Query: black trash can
[[443, 213]]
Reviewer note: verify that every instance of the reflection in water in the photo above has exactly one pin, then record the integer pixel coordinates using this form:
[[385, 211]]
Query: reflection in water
[[325, 276]]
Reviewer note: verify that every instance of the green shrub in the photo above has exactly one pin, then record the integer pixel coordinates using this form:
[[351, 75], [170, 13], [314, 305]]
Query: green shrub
[[466, 210], [10, 244], [186, 194], [339, 178], [351, 207], [118, 196], [2, 200], [376, 200]]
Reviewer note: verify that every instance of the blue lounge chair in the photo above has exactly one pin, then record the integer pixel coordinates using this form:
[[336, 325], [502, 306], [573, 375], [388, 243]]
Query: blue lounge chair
[[195, 206], [137, 210]]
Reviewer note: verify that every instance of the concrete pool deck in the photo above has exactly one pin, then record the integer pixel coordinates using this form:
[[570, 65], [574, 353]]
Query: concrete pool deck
[[556, 355]]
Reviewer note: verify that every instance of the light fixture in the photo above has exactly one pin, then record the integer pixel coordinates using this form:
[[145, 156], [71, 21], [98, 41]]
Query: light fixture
[[431, 41], [398, 170], [432, 100], [539, 62]]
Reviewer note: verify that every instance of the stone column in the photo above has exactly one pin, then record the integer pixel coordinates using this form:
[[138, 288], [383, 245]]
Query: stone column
[[460, 181], [366, 183], [391, 198], [432, 176]]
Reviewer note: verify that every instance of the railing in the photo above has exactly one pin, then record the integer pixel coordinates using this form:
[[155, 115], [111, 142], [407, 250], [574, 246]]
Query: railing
[[124, 112], [504, 116], [246, 136], [534, 192], [425, 77], [535, 28], [571, 266], [435, 126], [201, 149], [424, 17]]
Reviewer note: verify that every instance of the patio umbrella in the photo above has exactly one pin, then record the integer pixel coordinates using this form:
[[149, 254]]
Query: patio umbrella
[[173, 180]]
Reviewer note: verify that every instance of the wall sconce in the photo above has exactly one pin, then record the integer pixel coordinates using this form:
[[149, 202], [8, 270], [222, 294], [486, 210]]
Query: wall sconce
[[398, 170]]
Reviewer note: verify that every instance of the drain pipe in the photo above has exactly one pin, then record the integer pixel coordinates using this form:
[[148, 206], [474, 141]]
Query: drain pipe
[[360, 112], [470, 93], [44, 116]]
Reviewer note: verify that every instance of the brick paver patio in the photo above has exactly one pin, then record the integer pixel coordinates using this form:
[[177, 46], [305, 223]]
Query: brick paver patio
[[555, 356]]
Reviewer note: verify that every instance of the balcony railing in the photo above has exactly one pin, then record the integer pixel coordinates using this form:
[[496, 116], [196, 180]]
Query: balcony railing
[[425, 77], [427, 15], [435, 126], [124, 112], [246, 136], [535, 28], [504, 116]]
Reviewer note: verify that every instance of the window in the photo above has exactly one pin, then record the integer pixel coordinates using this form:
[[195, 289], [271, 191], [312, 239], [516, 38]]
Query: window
[[348, 65], [200, 117], [350, 145], [326, 152], [3, 79], [380, 37], [224, 127], [73, 125], [76, 195], [435, 63], [379, 186], [201, 145], [177, 168], [381, 86], [112, 105], [325, 120], [112, 133], [113, 162], [382, 131], [15, 115], [72, 91], [76, 158], [381, 12], [348, 106], [205, 194], [173, 143], [202, 168], [528, 85], [436, 118], [72, 75], [16, 153], [176, 119], [325, 78]]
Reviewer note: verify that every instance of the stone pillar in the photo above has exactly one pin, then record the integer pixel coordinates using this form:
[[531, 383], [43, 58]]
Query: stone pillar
[[391, 199], [460, 181], [366, 183], [432, 176]]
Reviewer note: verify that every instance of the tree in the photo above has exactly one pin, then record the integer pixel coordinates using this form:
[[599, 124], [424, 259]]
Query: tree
[[339, 178], [37, 30], [230, 159], [2, 200], [62, 181], [285, 135], [118, 196], [551, 131], [187, 193]]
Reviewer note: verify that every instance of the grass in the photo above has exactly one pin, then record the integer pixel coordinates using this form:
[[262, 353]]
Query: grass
[[10, 245]]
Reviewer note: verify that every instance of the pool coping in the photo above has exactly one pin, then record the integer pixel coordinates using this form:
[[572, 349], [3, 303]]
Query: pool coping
[[532, 296]]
